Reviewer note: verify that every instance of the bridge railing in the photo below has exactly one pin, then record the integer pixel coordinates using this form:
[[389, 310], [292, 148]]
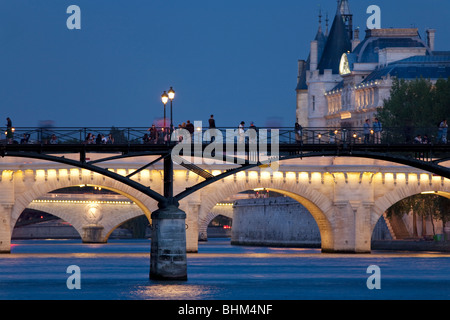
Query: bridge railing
[[128, 135]]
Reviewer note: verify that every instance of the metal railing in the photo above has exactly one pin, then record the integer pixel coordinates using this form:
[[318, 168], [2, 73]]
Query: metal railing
[[128, 135]]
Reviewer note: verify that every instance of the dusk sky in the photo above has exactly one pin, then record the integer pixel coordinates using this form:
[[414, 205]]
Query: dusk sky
[[234, 59]]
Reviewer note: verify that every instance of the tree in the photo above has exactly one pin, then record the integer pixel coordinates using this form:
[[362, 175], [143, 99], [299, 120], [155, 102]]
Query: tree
[[426, 206], [415, 107], [403, 207]]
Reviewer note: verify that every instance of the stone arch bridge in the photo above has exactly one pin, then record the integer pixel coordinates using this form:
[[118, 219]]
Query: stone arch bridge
[[345, 195]]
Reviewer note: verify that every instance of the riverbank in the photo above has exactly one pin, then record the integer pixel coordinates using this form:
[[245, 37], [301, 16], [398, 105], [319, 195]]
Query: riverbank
[[411, 245]]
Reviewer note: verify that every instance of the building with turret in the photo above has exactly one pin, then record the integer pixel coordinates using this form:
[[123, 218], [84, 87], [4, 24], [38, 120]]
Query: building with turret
[[345, 80]]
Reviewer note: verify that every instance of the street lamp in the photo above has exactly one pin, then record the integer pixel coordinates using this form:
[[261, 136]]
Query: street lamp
[[164, 99], [171, 96]]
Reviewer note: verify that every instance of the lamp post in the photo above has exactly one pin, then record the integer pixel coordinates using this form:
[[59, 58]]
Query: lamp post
[[171, 95], [164, 99]]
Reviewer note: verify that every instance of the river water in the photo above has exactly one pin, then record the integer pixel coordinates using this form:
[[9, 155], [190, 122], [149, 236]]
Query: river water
[[36, 269]]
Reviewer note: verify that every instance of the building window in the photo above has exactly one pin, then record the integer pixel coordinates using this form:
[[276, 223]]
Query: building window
[[314, 103]]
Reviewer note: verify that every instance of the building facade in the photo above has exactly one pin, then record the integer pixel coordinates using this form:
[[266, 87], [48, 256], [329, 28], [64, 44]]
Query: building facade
[[345, 80]]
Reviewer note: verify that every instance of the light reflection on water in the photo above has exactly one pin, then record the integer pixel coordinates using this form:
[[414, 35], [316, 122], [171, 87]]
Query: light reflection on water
[[173, 292], [220, 271]]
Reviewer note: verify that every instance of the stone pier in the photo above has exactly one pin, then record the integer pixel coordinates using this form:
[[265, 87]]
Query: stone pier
[[168, 246]]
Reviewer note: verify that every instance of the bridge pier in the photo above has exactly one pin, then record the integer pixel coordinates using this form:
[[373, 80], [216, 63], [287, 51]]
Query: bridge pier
[[168, 245], [93, 234], [5, 228], [351, 228]]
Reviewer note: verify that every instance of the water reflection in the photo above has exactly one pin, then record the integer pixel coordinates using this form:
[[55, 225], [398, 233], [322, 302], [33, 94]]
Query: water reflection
[[180, 291], [120, 269]]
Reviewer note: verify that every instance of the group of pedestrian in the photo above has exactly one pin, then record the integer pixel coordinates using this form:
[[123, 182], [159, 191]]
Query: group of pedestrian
[[419, 139], [162, 135], [442, 132], [376, 128], [99, 139], [252, 133]]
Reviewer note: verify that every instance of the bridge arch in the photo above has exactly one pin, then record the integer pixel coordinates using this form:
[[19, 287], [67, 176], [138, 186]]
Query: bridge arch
[[440, 186], [51, 183], [318, 204], [225, 210]]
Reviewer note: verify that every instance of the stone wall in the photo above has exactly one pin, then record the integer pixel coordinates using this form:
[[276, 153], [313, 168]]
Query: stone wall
[[281, 221]]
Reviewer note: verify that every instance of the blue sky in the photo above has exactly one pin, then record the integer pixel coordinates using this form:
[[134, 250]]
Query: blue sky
[[234, 59]]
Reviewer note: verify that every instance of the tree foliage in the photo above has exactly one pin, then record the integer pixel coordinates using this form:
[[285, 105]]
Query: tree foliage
[[416, 106], [426, 206]]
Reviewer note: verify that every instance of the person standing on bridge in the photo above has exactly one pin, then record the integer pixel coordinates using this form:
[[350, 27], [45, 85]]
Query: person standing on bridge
[[110, 139], [377, 128], [298, 132], [253, 133], [241, 132], [212, 125], [9, 132], [53, 139], [153, 137], [190, 127], [366, 132], [443, 128]]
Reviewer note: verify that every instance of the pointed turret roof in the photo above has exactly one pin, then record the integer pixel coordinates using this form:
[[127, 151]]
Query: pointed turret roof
[[343, 7], [338, 42], [320, 38], [321, 41]]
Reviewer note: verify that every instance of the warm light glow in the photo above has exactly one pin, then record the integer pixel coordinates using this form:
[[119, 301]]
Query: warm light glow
[[145, 174], [316, 176], [401, 177], [389, 177], [429, 192], [216, 172], [278, 175], [353, 177], [253, 174], [265, 174], [240, 174], [179, 174], [171, 93], [412, 178], [436, 179], [424, 177], [290, 175], [63, 173], [259, 189], [39, 173], [303, 176], [164, 98], [122, 172], [83, 201], [51, 173], [346, 115]]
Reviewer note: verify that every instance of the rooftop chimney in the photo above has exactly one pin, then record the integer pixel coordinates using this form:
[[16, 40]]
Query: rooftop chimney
[[355, 40], [431, 34]]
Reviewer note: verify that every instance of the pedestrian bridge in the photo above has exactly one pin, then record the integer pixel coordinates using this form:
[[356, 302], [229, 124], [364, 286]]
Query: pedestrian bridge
[[345, 195]]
